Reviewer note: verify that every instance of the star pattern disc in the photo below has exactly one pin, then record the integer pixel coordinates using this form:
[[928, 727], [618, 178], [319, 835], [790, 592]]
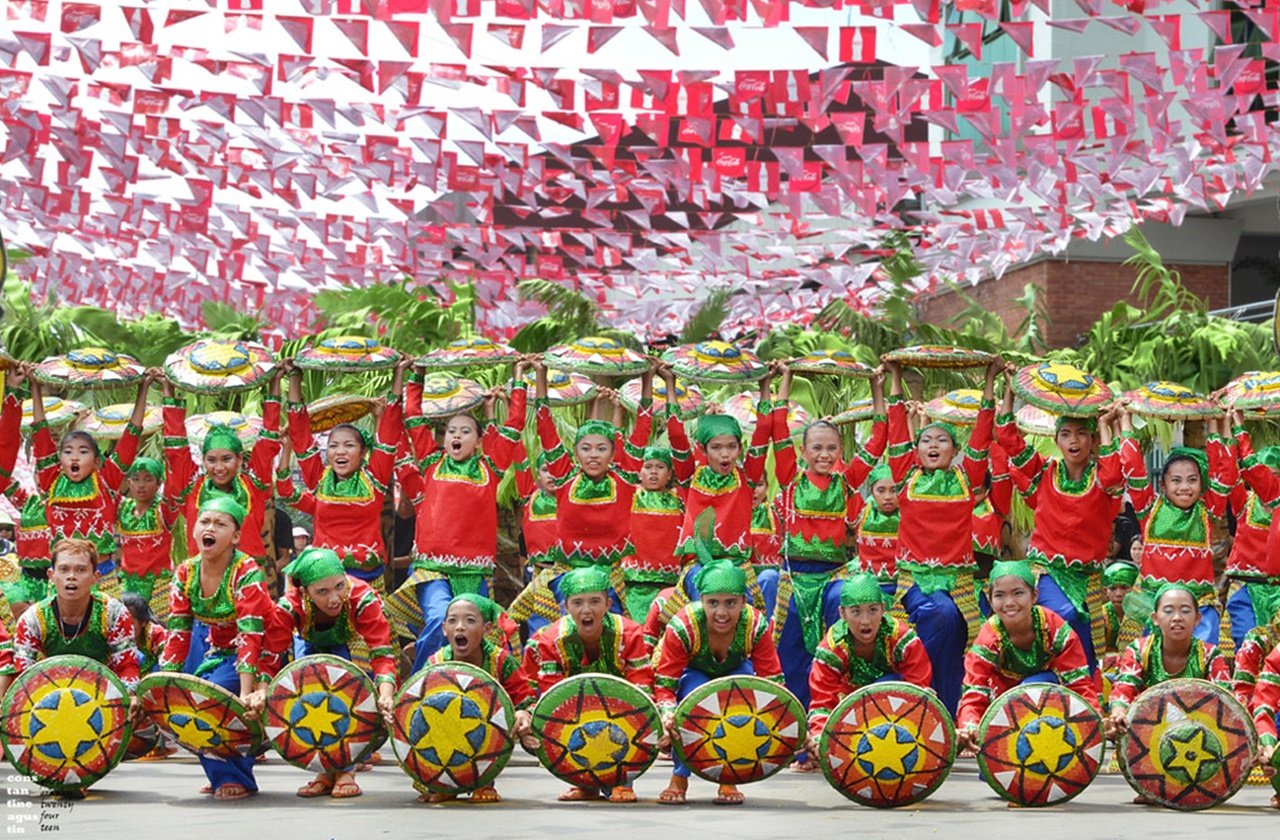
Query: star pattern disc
[[203, 718], [1189, 745], [887, 745], [452, 728], [736, 730], [596, 731], [322, 714], [66, 722], [1040, 744]]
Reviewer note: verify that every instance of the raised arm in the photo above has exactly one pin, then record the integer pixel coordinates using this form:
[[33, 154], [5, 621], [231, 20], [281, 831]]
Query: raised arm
[[976, 459]]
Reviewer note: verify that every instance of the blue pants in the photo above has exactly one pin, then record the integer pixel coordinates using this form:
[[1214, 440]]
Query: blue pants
[[691, 680], [433, 598], [1055, 600], [1043, 677], [222, 771], [1243, 618], [944, 634], [768, 581], [199, 647], [795, 655]]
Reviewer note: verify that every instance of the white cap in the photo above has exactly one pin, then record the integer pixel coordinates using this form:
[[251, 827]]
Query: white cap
[[301, 532]]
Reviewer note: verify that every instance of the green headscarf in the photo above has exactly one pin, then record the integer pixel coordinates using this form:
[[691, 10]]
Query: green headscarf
[[1197, 456], [1020, 569], [584, 580], [1120, 574], [863, 588], [220, 437], [225, 504], [1269, 457], [313, 564], [714, 425], [880, 472], [595, 427], [1173, 586], [148, 465], [721, 577], [1090, 423], [657, 453], [541, 461], [489, 609], [949, 428]]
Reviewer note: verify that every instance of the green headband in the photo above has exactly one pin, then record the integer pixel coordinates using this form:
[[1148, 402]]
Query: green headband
[[880, 472], [584, 580], [1020, 569], [1269, 457], [366, 439], [720, 577], [1198, 456], [225, 504], [714, 425], [541, 461], [657, 453], [148, 465], [595, 427], [863, 588], [949, 428], [1120, 574], [220, 437], [313, 564], [1090, 423], [1173, 586], [488, 608]]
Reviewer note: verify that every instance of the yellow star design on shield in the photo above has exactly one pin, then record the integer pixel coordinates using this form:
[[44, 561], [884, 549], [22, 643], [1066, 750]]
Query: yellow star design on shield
[[598, 749], [68, 724], [194, 736], [887, 752], [446, 731], [319, 719], [1190, 754], [1063, 377], [1049, 745], [740, 739]]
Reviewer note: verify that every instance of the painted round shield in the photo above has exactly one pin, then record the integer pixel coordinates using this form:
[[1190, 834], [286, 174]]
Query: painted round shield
[[939, 356], [742, 407], [564, 388], [688, 399], [735, 730], [855, 413], [346, 354], [596, 356], [1061, 388], [1035, 422], [1169, 401], [246, 426], [57, 411], [109, 422], [1256, 390], [1039, 744], [714, 361], [1189, 745], [203, 718], [596, 731], [89, 367], [833, 362], [444, 396], [452, 728], [960, 406], [322, 714], [336, 409], [66, 722], [212, 366], [476, 351], [888, 744]]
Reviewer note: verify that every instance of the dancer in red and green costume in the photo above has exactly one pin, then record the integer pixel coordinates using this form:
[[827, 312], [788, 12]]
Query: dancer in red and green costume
[[1075, 497], [1021, 642], [7, 668], [877, 523], [538, 523], [1249, 658], [657, 514], [81, 489], [935, 532], [454, 487], [866, 645], [992, 502], [1118, 580], [468, 621], [718, 635], [222, 470], [145, 523], [31, 535], [344, 492], [329, 608], [1265, 706], [589, 639], [221, 588], [1255, 557], [814, 505], [1176, 528]]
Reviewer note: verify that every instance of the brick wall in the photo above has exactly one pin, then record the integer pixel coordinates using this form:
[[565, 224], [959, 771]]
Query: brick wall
[[1076, 293]]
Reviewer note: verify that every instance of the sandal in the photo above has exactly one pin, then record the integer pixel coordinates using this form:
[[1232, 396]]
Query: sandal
[[1275, 801], [206, 789], [429, 798], [577, 794], [672, 796], [232, 791], [622, 794], [345, 790], [316, 787], [488, 793], [730, 795]]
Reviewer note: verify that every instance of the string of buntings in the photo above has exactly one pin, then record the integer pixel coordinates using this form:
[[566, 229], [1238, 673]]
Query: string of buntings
[[253, 153]]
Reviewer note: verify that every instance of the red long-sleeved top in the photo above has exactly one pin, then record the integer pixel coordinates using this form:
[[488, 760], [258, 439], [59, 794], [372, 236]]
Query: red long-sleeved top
[[1266, 488], [555, 653], [235, 614], [990, 514], [538, 522], [1266, 698], [685, 646], [362, 616]]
